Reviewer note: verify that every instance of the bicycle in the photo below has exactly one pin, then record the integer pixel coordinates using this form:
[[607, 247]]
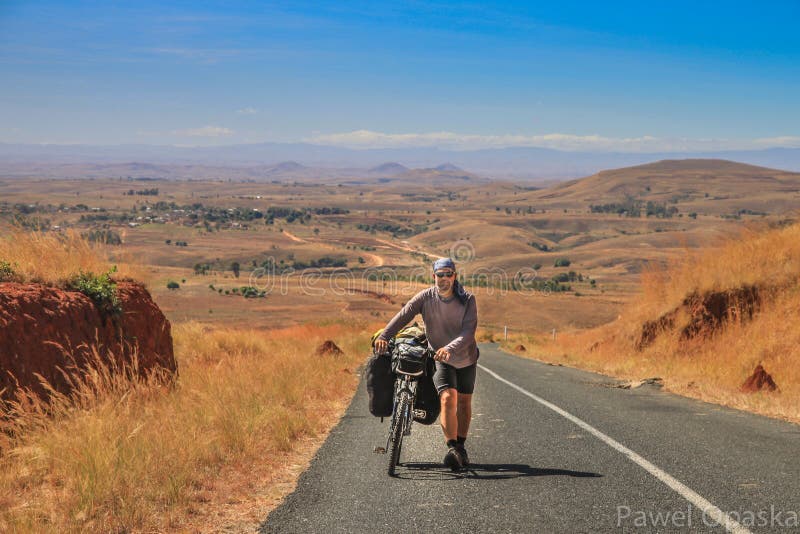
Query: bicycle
[[409, 363]]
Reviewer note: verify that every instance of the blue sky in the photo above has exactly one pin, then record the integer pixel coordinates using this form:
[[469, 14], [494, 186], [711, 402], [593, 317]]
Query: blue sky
[[628, 76]]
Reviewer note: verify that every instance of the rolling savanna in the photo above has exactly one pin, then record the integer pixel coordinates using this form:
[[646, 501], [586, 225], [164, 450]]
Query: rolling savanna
[[188, 289]]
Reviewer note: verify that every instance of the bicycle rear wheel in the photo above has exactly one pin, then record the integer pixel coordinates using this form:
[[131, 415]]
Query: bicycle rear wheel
[[396, 442]]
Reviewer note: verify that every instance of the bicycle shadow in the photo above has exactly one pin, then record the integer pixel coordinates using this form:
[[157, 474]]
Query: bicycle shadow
[[431, 470]]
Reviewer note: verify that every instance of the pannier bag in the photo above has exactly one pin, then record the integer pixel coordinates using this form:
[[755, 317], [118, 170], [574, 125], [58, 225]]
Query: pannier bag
[[378, 373], [408, 358], [427, 397], [380, 384]]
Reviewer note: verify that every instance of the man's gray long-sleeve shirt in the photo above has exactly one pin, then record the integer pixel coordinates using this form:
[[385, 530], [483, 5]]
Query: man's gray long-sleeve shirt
[[448, 323]]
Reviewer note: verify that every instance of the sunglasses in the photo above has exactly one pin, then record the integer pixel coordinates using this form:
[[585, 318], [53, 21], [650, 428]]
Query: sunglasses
[[444, 274]]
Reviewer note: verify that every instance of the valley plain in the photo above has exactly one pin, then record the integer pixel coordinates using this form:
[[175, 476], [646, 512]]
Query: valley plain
[[565, 257]]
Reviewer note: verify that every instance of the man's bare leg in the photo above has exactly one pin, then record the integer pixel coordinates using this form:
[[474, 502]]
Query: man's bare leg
[[464, 413], [450, 423]]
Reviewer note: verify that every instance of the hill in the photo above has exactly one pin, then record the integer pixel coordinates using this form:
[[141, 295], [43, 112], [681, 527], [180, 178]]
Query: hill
[[435, 178], [526, 163], [389, 169], [286, 167], [711, 325], [693, 185], [448, 167]]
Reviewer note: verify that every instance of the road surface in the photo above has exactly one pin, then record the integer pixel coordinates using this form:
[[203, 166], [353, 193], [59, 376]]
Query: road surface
[[555, 449]]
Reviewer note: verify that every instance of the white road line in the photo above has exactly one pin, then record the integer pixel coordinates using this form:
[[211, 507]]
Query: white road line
[[687, 493]]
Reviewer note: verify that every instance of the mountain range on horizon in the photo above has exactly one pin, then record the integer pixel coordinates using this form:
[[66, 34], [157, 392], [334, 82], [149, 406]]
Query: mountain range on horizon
[[519, 163]]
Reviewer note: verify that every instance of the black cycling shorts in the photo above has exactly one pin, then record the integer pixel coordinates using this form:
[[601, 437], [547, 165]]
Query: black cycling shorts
[[462, 380]]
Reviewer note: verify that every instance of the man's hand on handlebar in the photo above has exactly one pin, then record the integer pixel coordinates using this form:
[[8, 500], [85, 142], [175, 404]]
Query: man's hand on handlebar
[[381, 346], [442, 355]]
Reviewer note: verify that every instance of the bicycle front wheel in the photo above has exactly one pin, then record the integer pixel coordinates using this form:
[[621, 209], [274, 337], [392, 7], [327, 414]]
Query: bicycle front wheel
[[400, 422]]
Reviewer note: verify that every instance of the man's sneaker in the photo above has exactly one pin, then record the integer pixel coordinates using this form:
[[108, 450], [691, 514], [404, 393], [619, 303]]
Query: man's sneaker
[[453, 459], [464, 455]]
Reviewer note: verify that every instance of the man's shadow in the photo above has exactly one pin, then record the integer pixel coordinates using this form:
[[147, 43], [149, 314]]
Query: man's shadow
[[422, 470]]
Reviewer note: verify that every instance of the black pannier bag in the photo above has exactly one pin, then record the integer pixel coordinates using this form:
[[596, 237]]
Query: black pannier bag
[[380, 384], [379, 376], [427, 397], [409, 357]]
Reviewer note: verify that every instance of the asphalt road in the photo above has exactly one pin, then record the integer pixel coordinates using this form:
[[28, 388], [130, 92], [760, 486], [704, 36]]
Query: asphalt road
[[592, 458]]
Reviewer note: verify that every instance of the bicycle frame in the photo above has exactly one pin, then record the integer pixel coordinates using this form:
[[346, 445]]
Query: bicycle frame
[[403, 410], [409, 384]]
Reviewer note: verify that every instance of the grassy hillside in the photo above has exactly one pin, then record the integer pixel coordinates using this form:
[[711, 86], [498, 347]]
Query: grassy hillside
[[694, 185], [704, 324], [132, 456], [126, 454], [55, 259]]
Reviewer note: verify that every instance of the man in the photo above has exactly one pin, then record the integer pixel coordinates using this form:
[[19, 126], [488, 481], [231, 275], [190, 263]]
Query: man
[[451, 317]]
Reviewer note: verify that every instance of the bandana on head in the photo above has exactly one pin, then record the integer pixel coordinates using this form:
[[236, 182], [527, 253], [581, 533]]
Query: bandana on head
[[444, 263]]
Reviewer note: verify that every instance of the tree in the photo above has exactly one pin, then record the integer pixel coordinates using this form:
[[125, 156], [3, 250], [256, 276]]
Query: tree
[[173, 285], [235, 268]]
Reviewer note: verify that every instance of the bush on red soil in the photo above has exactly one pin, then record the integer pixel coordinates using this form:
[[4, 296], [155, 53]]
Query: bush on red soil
[[704, 314], [329, 348], [49, 332], [758, 381], [712, 310], [651, 329]]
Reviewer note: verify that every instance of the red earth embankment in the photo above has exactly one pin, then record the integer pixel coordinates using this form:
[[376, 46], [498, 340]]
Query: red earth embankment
[[49, 332]]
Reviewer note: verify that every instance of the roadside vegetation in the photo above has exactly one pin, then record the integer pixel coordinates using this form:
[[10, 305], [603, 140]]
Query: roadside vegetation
[[702, 325], [130, 454], [133, 455], [56, 259]]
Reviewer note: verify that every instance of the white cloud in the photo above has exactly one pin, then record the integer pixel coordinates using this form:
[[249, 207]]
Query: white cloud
[[247, 111], [205, 131], [785, 141], [559, 141]]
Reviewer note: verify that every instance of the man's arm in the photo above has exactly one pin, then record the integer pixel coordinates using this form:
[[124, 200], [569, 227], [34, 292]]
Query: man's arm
[[468, 326], [403, 317]]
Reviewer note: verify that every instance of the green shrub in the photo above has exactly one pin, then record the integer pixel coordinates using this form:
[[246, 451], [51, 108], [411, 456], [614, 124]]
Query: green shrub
[[562, 262], [100, 288], [7, 273], [561, 277], [105, 236], [173, 285], [250, 292]]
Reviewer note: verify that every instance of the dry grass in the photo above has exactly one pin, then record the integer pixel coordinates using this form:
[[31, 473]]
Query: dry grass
[[752, 258], [55, 258], [135, 456], [713, 367]]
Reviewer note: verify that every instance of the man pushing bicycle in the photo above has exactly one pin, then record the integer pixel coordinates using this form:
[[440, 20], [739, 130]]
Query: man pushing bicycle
[[450, 314]]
